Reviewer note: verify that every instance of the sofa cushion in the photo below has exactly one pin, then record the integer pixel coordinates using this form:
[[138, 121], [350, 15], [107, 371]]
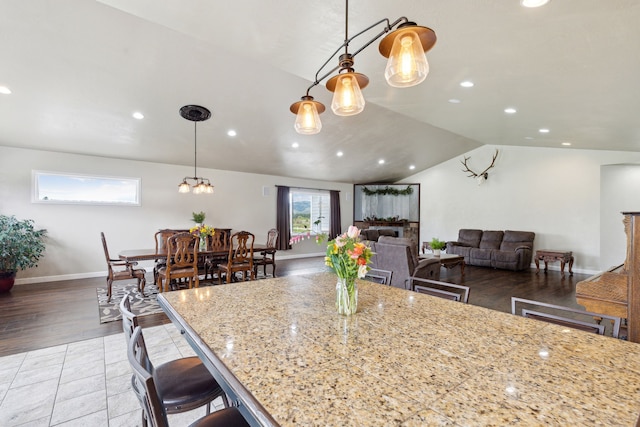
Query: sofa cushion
[[514, 239], [369, 234], [491, 239], [469, 237], [460, 250], [506, 259], [387, 232], [481, 257]]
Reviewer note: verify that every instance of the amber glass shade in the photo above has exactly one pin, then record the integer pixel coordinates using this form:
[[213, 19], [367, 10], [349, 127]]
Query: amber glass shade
[[347, 97], [407, 65], [307, 120]]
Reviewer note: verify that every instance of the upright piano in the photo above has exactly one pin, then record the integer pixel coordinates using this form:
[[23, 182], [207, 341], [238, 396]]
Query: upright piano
[[609, 292]]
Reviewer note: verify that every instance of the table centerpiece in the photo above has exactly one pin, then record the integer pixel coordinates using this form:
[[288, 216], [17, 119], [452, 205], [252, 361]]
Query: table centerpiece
[[348, 257], [202, 231]]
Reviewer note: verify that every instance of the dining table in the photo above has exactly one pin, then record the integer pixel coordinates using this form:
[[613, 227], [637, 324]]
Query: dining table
[[285, 357], [150, 254]]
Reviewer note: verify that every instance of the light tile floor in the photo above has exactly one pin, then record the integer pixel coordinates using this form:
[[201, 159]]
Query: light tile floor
[[85, 383]]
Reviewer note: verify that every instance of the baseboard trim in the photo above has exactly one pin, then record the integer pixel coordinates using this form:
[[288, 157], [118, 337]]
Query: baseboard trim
[[94, 274]]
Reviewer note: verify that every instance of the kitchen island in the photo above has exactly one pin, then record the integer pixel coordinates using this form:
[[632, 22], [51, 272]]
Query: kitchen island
[[286, 357]]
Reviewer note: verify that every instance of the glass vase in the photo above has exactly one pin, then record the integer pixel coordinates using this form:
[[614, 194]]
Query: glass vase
[[346, 296], [203, 243]]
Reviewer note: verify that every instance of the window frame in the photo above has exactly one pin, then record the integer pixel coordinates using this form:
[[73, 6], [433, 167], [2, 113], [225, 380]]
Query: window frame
[[75, 182], [326, 218]]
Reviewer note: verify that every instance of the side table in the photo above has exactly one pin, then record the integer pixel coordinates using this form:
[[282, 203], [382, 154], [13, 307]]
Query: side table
[[552, 255]]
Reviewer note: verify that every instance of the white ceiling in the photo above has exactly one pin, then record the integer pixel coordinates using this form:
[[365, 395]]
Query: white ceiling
[[78, 69]]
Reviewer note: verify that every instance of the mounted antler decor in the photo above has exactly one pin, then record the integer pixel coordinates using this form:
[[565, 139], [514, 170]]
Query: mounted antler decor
[[482, 176]]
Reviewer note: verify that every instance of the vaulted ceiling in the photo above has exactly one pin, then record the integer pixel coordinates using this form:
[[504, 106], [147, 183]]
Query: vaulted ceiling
[[78, 69]]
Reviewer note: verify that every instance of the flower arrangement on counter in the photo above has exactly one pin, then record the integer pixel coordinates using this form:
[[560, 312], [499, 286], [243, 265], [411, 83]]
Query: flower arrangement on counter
[[347, 255]]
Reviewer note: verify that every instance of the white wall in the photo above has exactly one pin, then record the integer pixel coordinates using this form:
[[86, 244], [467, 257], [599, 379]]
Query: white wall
[[618, 193], [553, 192], [74, 249]]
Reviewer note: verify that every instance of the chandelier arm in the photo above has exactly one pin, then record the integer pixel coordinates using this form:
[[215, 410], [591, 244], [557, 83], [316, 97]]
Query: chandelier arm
[[387, 28]]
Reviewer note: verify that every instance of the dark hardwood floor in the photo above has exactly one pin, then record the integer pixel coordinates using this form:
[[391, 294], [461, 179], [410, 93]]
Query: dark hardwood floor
[[46, 314]]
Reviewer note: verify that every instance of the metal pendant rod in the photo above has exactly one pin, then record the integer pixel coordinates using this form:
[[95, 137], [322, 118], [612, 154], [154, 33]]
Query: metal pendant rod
[[195, 149]]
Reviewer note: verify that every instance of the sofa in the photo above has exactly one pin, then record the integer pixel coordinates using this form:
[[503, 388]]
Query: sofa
[[400, 255], [511, 250]]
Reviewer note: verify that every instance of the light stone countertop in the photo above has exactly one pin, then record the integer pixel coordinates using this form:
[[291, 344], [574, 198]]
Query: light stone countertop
[[403, 359]]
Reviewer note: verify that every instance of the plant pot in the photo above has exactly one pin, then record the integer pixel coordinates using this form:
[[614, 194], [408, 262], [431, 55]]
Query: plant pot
[[7, 279], [436, 252]]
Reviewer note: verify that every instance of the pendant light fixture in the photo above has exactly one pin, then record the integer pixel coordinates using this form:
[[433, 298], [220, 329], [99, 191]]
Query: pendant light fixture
[[405, 46], [195, 114]]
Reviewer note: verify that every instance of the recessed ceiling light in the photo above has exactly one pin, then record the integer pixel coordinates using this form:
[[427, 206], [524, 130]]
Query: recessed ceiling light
[[566, 143], [381, 162], [5, 90], [231, 132], [295, 145], [138, 115], [543, 130], [412, 167], [466, 83], [510, 110], [339, 153], [454, 101], [533, 3]]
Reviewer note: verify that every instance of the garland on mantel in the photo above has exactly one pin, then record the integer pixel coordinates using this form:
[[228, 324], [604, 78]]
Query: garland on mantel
[[388, 191]]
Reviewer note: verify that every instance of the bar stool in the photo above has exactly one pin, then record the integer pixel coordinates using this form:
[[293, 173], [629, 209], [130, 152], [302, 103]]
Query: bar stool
[[185, 383], [153, 410]]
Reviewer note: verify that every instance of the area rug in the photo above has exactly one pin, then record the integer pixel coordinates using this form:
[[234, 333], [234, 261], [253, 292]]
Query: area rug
[[142, 306]]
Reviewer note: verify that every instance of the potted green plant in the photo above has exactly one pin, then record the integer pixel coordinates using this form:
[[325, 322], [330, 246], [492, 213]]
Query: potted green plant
[[437, 245], [21, 246], [198, 217]]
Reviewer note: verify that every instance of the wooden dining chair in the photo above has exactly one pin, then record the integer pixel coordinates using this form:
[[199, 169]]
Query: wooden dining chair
[[240, 257], [161, 238], [440, 289], [565, 316], [218, 243], [145, 384], [182, 261], [121, 270], [377, 275], [267, 256]]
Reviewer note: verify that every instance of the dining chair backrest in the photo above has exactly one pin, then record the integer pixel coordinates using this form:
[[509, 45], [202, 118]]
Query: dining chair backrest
[[379, 276], [162, 237], [183, 250], [272, 236], [106, 249], [440, 289], [241, 248], [143, 383], [129, 319], [220, 239], [565, 316]]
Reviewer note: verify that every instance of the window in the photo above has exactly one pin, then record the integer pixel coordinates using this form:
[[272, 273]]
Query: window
[[310, 211], [51, 187]]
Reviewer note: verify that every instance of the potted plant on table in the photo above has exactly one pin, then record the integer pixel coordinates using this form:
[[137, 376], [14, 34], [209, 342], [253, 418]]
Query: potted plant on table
[[437, 245], [21, 247], [198, 217]]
